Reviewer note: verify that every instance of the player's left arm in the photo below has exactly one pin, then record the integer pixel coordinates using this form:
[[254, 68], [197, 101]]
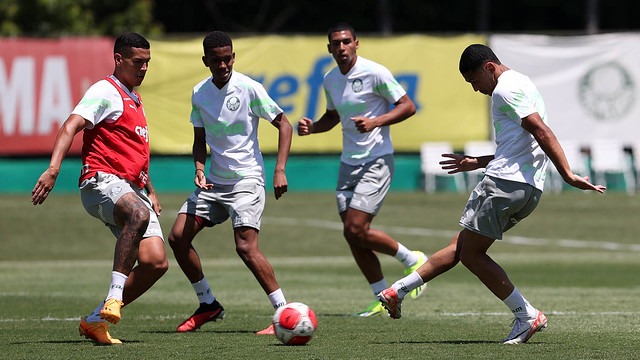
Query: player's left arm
[[403, 109], [547, 140], [285, 131]]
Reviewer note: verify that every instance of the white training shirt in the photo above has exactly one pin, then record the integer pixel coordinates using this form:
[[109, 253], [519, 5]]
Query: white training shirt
[[230, 119], [368, 89], [518, 155], [102, 102]]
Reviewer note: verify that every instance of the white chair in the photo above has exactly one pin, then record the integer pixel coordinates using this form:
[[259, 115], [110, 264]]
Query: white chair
[[635, 161], [608, 161], [573, 151], [477, 148], [430, 157]]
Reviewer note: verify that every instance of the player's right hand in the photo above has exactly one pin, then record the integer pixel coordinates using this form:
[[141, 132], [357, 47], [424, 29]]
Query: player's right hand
[[201, 181], [43, 187], [305, 126], [458, 163]]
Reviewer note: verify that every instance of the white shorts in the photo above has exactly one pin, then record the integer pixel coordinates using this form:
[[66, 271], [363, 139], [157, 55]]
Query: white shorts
[[100, 193], [243, 202], [365, 186], [496, 205]]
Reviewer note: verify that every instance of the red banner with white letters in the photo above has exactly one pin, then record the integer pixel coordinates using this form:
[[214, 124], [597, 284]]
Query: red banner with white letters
[[41, 81]]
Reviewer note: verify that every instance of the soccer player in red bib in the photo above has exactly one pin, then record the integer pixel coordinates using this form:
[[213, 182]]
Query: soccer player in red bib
[[114, 181]]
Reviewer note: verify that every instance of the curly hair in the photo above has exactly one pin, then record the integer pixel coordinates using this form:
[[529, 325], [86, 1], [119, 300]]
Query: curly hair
[[216, 39]]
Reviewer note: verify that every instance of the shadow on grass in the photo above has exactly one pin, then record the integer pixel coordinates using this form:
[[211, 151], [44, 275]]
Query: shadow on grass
[[449, 342], [335, 315], [124, 341], [201, 331], [290, 345]]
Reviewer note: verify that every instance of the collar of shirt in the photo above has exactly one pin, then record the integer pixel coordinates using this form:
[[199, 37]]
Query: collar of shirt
[[124, 88]]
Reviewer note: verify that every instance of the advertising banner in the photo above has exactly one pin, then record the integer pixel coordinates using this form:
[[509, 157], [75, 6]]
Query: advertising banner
[[41, 80], [291, 69], [590, 84]]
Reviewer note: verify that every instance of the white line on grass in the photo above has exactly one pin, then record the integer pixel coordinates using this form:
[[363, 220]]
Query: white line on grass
[[520, 240], [557, 313], [403, 230]]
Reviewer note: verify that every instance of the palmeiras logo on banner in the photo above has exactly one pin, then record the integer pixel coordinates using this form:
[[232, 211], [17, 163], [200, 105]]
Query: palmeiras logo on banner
[[607, 91]]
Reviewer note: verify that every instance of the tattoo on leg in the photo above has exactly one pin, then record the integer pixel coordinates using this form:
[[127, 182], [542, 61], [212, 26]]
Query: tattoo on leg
[[135, 218]]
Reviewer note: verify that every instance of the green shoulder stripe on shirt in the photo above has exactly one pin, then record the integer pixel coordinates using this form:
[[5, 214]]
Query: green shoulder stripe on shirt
[[509, 111], [265, 104], [386, 89], [97, 102]]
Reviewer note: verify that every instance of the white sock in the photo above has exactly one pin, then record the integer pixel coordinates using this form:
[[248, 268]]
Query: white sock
[[277, 298], [407, 283], [95, 315], [117, 285], [203, 291], [378, 286], [405, 256], [519, 306]]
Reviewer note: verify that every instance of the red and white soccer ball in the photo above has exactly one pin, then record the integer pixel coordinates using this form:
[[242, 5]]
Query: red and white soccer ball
[[294, 323]]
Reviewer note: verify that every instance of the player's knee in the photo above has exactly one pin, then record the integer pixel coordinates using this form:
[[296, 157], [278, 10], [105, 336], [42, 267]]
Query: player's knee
[[161, 266], [152, 256], [158, 266], [179, 240], [468, 259], [355, 233], [174, 241], [245, 250], [246, 239]]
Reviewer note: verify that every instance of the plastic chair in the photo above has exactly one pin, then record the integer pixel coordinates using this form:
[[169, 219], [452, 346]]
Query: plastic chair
[[635, 162], [430, 157], [573, 150], [611, 166], [477, 148]]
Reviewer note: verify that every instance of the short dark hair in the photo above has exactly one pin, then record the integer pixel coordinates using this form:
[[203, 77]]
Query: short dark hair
[[216, 39], [129, 40], [341, 26], [474, 56]]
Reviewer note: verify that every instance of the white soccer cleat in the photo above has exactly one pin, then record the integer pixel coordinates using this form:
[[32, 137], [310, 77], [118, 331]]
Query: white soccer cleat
[[392, 302], [523, 330]]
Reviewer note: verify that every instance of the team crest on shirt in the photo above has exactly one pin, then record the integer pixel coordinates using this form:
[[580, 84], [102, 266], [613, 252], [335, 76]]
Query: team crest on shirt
[[233, 103], [357, 85]]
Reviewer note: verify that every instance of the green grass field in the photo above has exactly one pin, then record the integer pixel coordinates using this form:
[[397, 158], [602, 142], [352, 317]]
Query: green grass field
[[577, 258]]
